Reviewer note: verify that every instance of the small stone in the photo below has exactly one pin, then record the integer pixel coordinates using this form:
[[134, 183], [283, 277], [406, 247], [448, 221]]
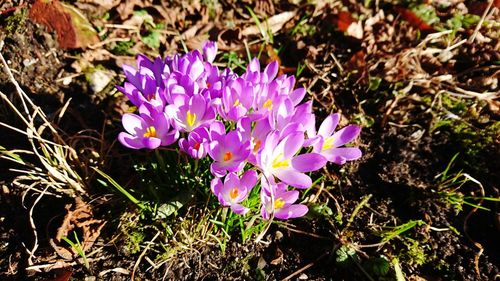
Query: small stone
[[278, 235], [98, 80], [67, 80], [29, 62]]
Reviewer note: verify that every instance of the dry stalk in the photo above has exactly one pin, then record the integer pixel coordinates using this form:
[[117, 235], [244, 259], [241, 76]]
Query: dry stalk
[[55, 171]]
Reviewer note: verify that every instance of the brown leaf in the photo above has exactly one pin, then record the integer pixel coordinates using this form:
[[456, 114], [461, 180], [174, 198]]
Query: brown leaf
[[126, 8], [278, 257], [273, 24], [72, 28], [62, 275], [79, 216], [105, 4]]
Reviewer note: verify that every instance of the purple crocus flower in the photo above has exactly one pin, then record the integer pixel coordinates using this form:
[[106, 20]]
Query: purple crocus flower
[[192, 112], [234, 190], [256, 132], [229, 153], [281, 202], [209, 50], [236, 100], [329, 143], [196, 144], [254, 75], [277, 158], [149, 129]]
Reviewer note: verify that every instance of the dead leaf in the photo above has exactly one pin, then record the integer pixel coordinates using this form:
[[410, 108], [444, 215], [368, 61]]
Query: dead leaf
[[105, 4], [79, 217], [72, 28], [273, 24], [126, 8], [63, 275], [278, 257]]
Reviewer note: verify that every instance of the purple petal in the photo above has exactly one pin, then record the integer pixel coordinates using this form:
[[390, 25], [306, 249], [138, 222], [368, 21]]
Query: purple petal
[[130, 141], [231, 181], [151, 143], [249, 179], [329, 124], [347, 153], [292, 211], [196, 69], [292, 144], [254, 65], [214, 150], [217, 170], [170, 138], [297, 95], [132, 122], [198, 105], [232, 141], [288, 196], [263, 212], [294, 178], [271, 70], [216, 186], [308, 162], [130, 73], [209, 50], [184, 145], [239, 209], [345, 135]]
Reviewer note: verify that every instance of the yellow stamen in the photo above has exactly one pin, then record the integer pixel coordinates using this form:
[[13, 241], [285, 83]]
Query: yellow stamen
[[328, 143], [236, 103], [150, 132], [190, 118], [279, 203], [233, 193], [279, 163], [268, 104], [228, 156]]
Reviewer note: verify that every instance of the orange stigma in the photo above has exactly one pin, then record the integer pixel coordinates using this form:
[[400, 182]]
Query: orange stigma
[[228, 156], [196, 146], [233, 193]]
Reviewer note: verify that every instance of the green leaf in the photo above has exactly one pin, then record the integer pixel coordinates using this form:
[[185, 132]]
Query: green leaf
[[374, 83], [377, 266], [173, 205], [152, 39]]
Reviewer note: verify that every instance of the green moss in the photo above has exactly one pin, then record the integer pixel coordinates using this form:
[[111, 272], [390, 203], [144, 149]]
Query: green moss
[[414, 254], [133, 241], [122, 48], [475, 145], [15, 22]]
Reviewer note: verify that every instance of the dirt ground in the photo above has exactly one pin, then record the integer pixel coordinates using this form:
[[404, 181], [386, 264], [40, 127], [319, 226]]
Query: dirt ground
[[420, 77]]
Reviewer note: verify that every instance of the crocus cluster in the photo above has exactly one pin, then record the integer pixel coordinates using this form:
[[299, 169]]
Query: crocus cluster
[[253, 126]]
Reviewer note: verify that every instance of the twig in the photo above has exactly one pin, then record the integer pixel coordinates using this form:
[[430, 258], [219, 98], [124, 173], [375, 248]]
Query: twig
[[480, 23], [142, 255], [107, 41], [477, 244], [356, 210], [304, 268], [33, 226]]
